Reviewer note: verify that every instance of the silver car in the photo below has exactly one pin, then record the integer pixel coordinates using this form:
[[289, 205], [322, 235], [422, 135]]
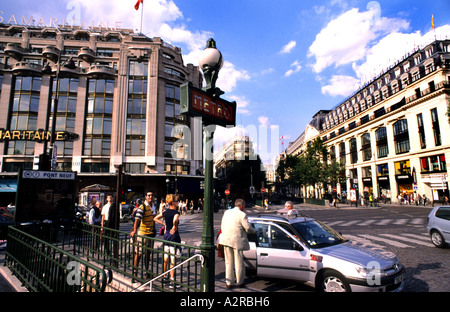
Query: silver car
[[439, 225], [305, 250]]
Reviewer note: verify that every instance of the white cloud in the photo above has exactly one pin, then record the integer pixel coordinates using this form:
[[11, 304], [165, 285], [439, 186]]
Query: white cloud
[[288, 47], [296, 68], [242, 104], [162, 18], [341, 85], [393, 48], [263, 120], [229, 77], [367, 41], [346, 38]]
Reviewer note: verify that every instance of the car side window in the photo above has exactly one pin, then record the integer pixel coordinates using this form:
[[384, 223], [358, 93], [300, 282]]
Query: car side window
[[271, 236], [262, 237], [443, 213]]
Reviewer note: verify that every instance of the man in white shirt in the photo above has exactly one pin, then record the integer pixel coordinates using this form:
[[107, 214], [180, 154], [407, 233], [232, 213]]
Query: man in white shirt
[[105, 211]]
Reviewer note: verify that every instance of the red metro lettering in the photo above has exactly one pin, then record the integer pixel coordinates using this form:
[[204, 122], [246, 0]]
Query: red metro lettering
[[213, 108]]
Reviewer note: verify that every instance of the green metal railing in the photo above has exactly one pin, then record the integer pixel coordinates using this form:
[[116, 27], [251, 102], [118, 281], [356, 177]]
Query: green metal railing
[[117, 250], [80, 257], [43, 267]]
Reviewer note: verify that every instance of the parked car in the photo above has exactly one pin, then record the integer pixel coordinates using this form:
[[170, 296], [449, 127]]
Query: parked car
[[438, 225], [6, 219], [305, 250]]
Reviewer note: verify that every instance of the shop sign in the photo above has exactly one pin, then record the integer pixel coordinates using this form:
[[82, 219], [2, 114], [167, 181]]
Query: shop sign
[[35, 135]]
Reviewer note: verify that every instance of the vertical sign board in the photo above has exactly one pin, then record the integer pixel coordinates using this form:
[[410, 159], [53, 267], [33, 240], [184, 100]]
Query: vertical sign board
[[45, 195]]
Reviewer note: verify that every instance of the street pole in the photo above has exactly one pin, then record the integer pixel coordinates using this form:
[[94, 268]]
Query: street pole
[[210, 62], [207, 246]]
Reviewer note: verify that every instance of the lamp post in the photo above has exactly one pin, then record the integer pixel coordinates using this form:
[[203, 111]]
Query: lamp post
[[70, 64], [210, 62], [214, 111]]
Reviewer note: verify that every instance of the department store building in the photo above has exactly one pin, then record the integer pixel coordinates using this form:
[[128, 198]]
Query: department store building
[[119, 91], [393, 134]]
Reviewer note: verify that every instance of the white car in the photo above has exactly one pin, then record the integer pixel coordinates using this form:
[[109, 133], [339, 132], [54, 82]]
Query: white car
[[439, 225], [306, 250]]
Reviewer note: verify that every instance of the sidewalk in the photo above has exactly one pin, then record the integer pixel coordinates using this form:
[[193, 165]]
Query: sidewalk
[[8, 282], [274, 208]]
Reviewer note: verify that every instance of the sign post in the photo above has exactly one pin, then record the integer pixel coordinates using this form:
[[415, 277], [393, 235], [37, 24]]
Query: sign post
[[213, 110]]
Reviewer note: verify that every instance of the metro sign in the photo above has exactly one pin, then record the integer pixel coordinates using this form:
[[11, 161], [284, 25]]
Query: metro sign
[[213, 110]]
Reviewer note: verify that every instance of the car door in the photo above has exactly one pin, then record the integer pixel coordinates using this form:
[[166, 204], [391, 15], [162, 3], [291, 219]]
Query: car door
[[443, 222], [279, 254]]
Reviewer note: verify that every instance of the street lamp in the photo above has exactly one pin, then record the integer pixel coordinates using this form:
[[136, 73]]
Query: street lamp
[[214, 111], [69, 64], [211, 62]]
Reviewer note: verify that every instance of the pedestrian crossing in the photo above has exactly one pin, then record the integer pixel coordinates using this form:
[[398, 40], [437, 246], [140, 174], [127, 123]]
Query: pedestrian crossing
[[384, 240], [378, 222]]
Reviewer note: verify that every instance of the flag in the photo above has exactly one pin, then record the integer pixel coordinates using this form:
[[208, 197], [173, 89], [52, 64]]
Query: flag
[[281, 138], [136, 6], [432, 21]]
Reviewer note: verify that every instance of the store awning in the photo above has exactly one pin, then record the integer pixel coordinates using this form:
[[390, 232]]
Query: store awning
[[8, 186]]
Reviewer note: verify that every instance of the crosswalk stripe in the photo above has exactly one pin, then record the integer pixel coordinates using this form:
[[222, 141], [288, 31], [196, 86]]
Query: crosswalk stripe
[[367, 222], [418, 221], [334, 223], [424, 237], [406, 239], [385, 240], [350, 223], [384, 222], [400, 221]]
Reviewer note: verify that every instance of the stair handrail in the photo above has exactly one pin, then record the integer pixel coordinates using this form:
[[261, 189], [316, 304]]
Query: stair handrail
[[202, 259]]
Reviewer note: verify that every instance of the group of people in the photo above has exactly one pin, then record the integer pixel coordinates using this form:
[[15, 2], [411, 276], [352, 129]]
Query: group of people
[[234, 229], [102, 215], [144, 226], [184, 206]]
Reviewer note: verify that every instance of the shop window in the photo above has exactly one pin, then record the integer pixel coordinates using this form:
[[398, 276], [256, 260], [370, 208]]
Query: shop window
[[434, 163], [382, 170], [402, 167]]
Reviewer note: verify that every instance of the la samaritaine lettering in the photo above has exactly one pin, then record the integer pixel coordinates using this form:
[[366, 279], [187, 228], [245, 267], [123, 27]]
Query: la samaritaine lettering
[[30, 135]]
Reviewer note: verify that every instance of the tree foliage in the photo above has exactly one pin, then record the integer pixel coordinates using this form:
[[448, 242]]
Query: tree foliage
[[311, 168]]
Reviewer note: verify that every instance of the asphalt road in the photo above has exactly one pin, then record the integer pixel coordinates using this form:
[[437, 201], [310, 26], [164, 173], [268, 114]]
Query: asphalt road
[[397, 229]]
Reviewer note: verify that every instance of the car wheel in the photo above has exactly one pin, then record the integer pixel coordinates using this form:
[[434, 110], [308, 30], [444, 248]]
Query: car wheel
[[437, 239], [333, 281]]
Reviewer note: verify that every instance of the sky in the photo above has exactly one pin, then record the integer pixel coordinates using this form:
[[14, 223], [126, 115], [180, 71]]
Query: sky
[[284, 60]]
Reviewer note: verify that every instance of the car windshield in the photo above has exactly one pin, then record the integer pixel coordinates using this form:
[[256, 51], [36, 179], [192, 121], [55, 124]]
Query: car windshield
[[317, 234]]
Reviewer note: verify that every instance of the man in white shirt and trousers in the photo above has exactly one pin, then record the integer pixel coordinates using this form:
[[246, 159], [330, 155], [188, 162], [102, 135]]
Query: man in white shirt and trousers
[[235, 227]]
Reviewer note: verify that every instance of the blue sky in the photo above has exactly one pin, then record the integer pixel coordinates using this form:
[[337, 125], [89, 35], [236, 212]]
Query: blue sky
[[284, 60]]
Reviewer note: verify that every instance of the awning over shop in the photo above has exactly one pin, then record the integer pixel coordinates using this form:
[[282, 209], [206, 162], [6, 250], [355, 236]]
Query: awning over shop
[[8, 186]]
